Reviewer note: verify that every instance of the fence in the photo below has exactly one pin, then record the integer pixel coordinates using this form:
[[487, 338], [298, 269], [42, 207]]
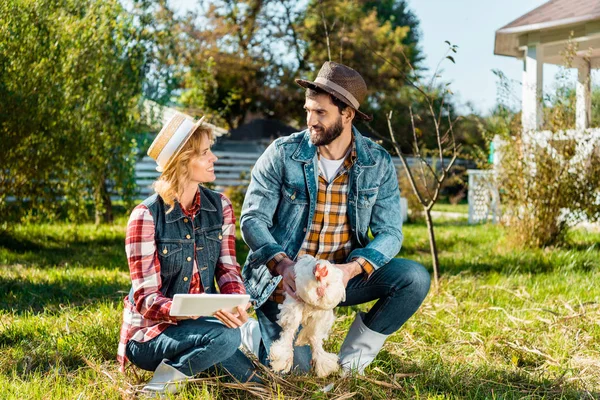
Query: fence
[[230, 168], [484, 199]]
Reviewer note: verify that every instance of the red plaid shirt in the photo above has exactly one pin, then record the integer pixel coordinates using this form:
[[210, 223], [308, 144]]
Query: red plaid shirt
[[150, 315]]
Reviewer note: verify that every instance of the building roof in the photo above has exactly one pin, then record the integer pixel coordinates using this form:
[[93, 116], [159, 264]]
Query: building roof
[[554, 14], [260, 129]]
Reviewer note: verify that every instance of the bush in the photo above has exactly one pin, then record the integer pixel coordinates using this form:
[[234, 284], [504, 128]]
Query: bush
[[549, 182], [236, 195]]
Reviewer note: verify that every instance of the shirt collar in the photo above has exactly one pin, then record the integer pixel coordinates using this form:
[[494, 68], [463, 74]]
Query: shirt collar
[[195, 205]]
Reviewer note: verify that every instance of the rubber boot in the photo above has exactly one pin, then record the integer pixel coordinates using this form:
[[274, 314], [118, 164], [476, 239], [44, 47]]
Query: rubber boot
[[360, 347]]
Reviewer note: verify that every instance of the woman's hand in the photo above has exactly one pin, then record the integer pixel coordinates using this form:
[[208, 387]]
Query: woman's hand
[[236, 319]]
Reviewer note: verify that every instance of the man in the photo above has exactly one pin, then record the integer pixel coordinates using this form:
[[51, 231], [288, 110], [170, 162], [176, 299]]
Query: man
[[319, 192]]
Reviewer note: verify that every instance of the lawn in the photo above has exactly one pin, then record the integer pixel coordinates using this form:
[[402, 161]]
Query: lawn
[[504, 323]]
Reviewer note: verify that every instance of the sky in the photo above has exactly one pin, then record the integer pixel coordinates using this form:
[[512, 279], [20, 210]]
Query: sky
[[471, 25]]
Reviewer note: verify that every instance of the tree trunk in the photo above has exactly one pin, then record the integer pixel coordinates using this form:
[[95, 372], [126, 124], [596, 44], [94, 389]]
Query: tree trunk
[[433, 248], [103, 205]]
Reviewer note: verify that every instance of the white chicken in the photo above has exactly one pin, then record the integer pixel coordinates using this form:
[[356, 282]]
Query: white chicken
[[320, 285]]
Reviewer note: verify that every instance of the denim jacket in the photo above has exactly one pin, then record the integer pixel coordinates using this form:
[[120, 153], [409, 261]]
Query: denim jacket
[[171, 234], [281, 200]]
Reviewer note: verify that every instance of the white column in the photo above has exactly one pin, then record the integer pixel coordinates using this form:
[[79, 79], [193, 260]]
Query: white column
[[533, 75], [584, 99]]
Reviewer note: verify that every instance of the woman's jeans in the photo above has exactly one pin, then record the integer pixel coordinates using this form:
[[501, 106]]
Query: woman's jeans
[[193, 346], [400, 287]]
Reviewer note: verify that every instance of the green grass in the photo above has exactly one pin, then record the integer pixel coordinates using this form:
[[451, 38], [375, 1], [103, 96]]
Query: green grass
[[454, 208], [504, 323]]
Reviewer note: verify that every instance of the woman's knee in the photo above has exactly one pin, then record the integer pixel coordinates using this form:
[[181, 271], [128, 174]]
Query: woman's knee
[[226, 340]]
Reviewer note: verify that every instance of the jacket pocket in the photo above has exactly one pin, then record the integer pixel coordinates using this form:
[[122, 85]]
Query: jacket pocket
[[366, 198], [214, 238], [169, 256], [293, 194]]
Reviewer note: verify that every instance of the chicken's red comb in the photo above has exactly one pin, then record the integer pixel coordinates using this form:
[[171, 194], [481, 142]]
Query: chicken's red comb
[[320, 271]]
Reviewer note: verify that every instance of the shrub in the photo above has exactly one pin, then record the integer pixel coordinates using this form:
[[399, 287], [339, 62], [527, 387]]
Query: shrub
[[549, 182]]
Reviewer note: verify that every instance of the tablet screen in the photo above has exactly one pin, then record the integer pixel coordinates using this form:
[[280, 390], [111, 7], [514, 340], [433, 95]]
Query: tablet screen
[[204, 305]]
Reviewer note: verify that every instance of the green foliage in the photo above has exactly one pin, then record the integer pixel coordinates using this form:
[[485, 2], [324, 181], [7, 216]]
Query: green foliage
[[70, 76], [236, 195], [506, 323], [378, 39], [241, 57]]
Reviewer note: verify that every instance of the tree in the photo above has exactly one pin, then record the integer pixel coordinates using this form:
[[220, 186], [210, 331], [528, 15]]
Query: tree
[[226, 63], [242, 57], [380, 40], [70, 76], [428, 176]]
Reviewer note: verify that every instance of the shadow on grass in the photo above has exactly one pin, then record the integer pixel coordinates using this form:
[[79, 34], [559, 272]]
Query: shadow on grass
[[22, 296], [105, 253], [483, 249]]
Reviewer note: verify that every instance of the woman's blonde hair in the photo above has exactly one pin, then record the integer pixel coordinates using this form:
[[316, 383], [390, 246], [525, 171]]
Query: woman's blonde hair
[[173, 180]]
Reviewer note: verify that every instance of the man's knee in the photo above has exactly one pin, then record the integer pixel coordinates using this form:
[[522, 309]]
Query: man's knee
[[411, 275]]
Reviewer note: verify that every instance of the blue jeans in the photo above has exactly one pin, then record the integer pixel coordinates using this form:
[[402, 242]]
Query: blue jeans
[[193, 346], [400, 287]]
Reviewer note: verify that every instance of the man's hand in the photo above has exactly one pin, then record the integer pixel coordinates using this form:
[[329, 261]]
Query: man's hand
[[350, 270], [285, 268], [233, 320]]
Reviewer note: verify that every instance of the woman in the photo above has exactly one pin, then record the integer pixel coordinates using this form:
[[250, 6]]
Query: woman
[[178, 241]]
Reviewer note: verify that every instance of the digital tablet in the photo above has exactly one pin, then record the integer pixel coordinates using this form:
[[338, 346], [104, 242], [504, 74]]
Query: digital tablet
[[204, 305]]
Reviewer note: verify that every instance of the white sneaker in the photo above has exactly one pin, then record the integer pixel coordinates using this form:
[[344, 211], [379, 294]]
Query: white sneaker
[[166, 379]]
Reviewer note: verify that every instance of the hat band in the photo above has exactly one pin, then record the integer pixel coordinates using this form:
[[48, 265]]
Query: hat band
[[165, 135], [341, 90], [177, 139]]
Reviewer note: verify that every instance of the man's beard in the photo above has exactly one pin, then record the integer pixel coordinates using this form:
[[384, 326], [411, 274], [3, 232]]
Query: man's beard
[[327, 135]]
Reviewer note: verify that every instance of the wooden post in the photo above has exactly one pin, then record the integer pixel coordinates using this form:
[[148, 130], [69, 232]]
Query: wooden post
[[531, 118], [584, 98]]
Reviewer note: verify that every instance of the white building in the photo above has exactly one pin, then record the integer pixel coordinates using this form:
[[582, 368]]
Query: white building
[[540, 37]]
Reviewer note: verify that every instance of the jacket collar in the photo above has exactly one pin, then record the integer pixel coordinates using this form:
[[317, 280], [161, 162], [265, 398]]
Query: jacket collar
[[364, 158], [306, 149], [205, 205]]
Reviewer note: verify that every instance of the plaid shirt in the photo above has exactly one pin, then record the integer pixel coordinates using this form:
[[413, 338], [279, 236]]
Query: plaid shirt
[[330, 235], [150, 315]]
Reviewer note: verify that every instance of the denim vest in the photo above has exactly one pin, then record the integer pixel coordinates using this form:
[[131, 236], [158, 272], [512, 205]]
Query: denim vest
[[175, 237], [281, 200]]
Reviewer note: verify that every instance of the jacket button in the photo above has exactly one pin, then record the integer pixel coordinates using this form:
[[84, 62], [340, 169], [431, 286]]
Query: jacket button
[[185, 278], [220, 236], [189, 258], [165, 251], [304, 230], [188, 237], [186, 220]]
